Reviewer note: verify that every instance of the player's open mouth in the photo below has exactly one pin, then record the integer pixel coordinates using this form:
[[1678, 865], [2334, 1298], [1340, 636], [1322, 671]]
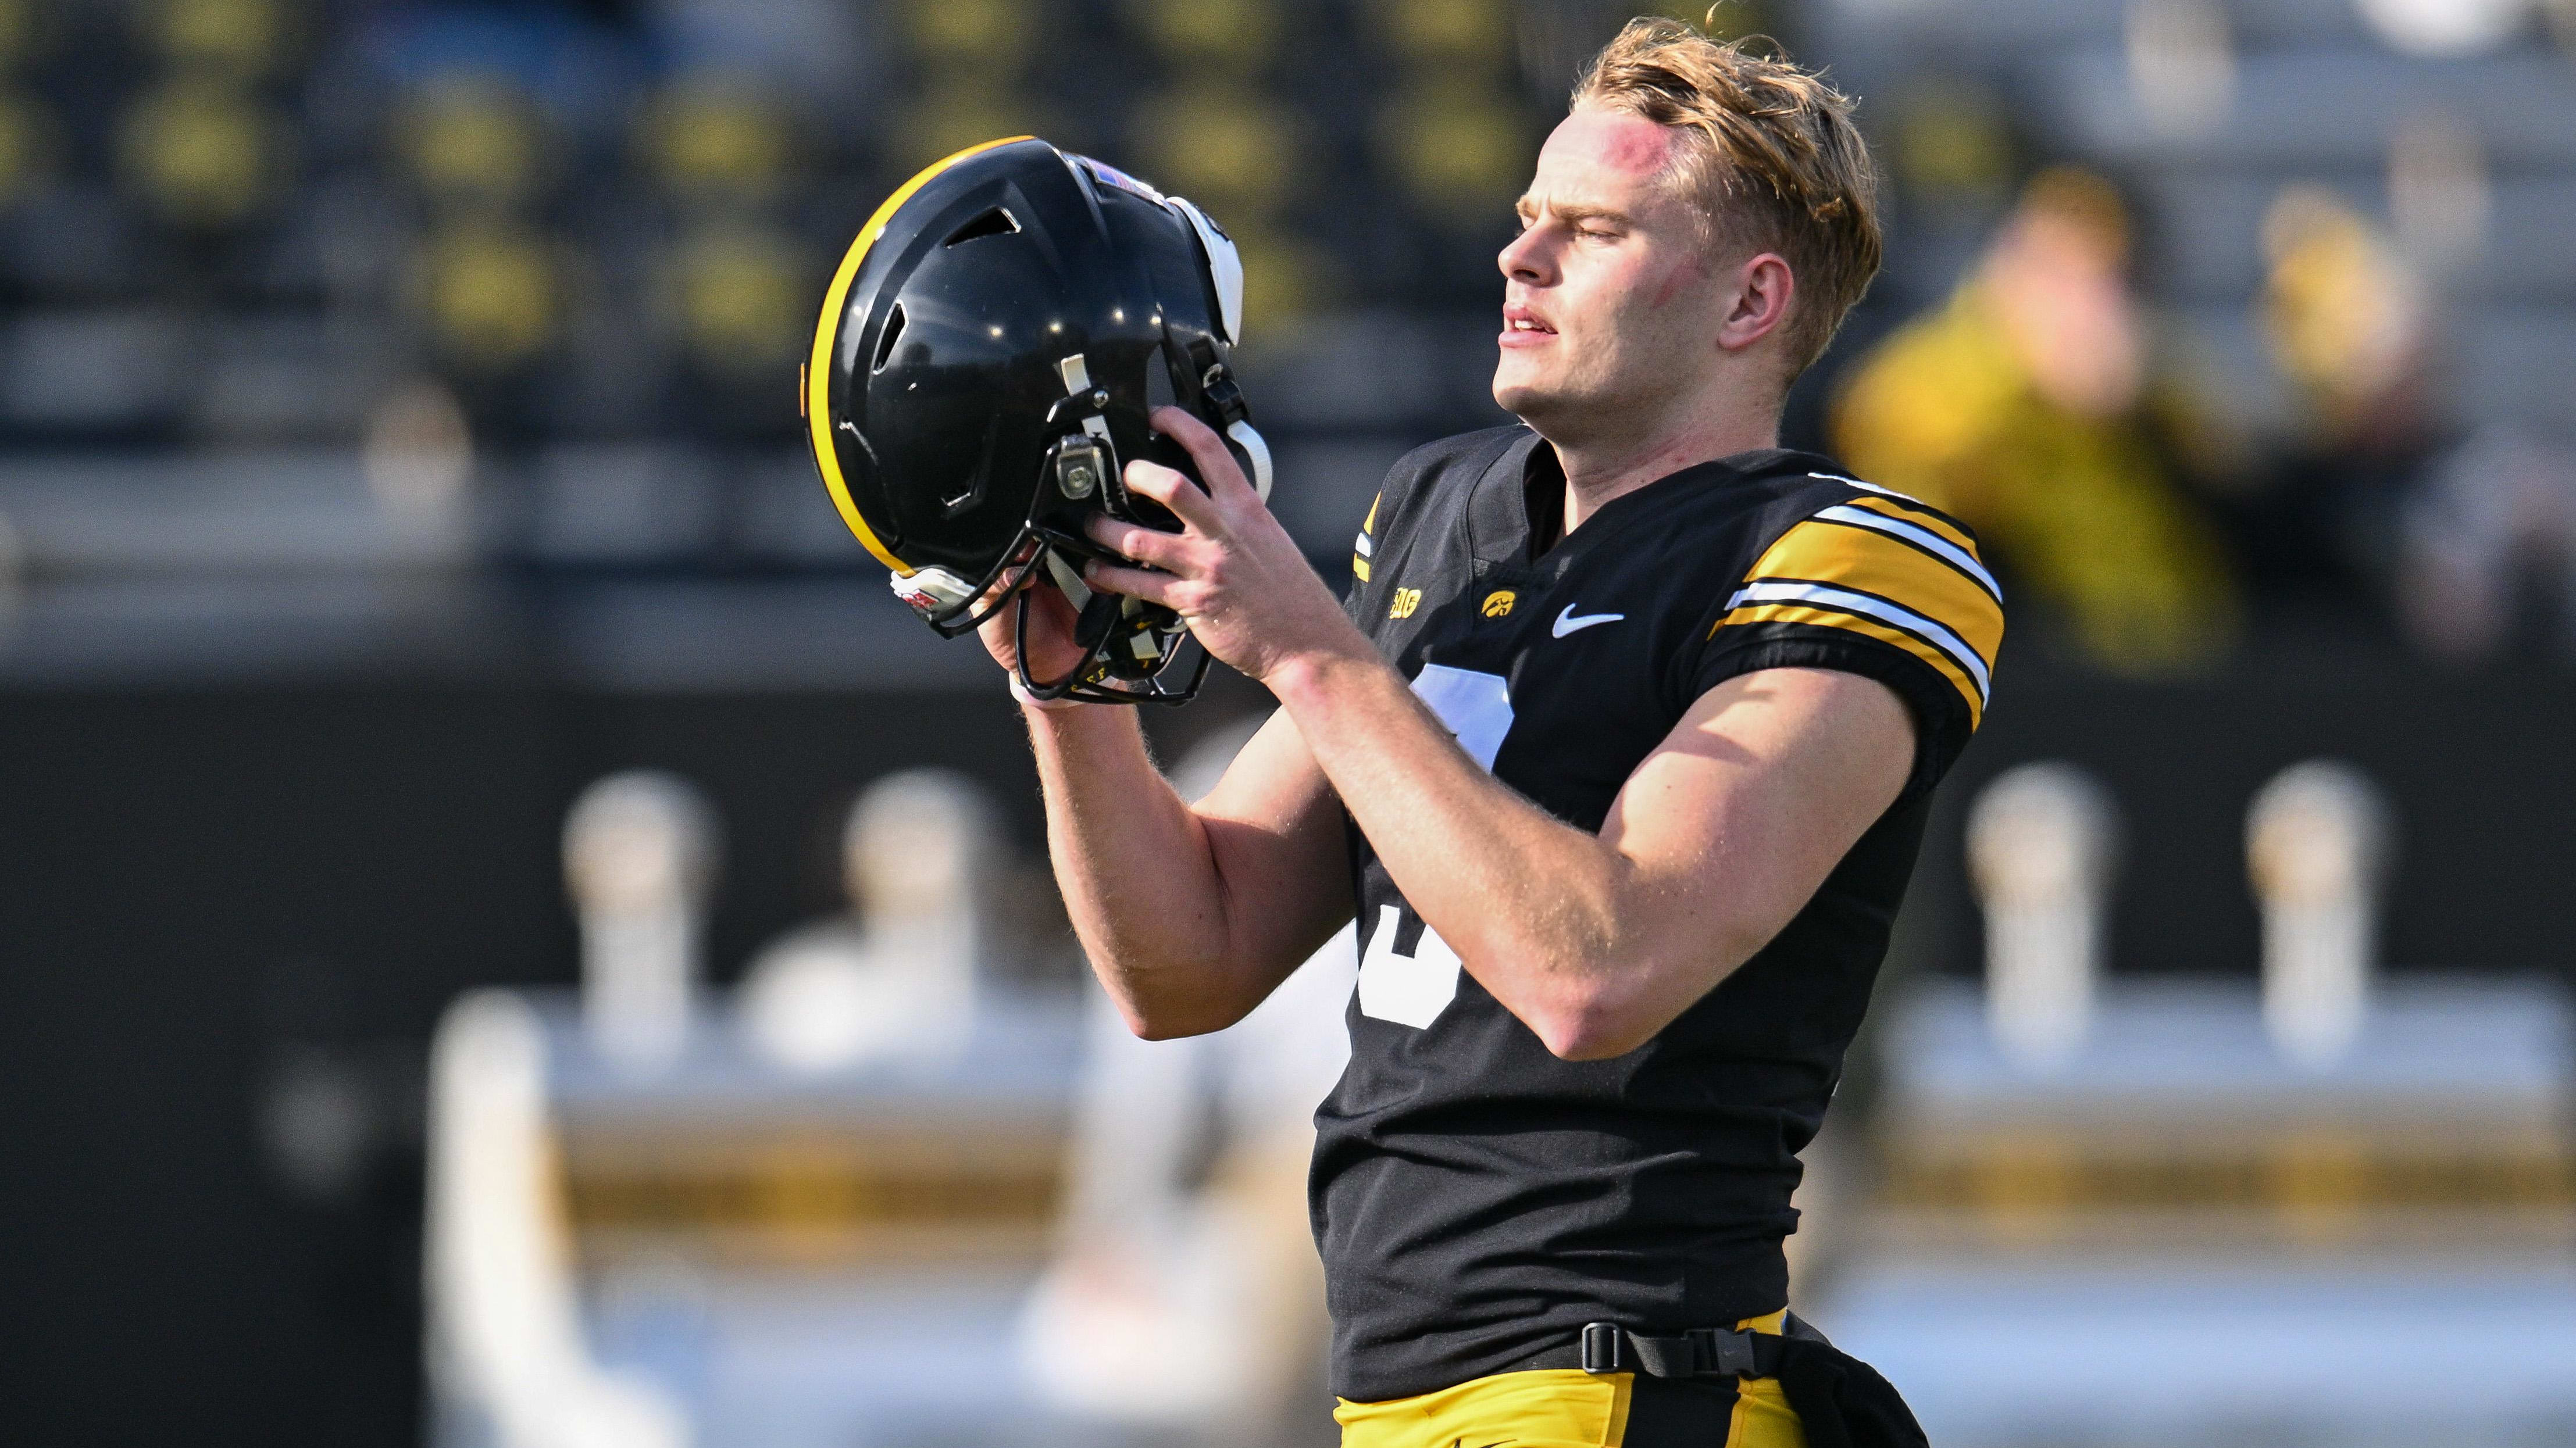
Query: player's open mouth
[[1522, 326]]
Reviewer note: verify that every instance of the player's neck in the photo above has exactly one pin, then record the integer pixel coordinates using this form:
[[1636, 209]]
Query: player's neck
[[1610, 466]]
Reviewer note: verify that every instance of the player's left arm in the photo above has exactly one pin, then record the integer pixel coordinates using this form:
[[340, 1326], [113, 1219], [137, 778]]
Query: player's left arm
[[1596, 942]]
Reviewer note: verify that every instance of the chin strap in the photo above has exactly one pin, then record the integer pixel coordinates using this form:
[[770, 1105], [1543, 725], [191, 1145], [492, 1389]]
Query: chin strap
[[1234, 418]]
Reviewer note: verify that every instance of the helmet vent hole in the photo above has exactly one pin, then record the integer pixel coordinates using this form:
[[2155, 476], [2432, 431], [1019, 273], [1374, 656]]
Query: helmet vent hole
[[892, 334], [996, 222]]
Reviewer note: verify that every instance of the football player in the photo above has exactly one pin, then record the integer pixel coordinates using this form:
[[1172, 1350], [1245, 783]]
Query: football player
[[1620, 749]]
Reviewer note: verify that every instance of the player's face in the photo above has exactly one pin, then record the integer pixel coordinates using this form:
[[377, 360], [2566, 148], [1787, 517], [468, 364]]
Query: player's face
[[1610, 298]]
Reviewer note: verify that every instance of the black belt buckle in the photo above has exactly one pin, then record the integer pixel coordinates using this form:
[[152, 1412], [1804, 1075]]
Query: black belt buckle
[[1600, 1347]]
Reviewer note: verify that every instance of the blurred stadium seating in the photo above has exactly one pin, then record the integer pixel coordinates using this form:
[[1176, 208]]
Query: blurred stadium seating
[[396, 436]]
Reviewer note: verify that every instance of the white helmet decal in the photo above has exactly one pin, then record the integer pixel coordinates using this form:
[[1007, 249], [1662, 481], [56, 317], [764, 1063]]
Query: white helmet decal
[[1225, 265]]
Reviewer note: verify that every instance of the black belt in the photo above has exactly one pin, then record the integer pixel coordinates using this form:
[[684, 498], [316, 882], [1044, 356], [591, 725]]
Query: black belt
[[1841, 1402], [1606, 1347], [1699, 1353]]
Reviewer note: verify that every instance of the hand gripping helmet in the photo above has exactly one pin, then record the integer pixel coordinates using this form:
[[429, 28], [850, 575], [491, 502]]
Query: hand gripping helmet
[[988, 354]]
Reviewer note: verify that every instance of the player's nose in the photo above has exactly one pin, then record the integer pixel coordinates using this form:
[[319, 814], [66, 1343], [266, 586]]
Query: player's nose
[[1526, 259]]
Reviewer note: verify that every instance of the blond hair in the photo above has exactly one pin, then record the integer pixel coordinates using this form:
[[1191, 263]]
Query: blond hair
[[1775, 160]]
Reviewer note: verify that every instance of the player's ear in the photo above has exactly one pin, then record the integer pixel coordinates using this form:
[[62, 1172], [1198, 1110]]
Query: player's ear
[[1763, 291]]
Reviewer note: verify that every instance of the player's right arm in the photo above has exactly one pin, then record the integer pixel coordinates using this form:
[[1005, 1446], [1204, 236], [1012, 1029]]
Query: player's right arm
[[1191, 914]]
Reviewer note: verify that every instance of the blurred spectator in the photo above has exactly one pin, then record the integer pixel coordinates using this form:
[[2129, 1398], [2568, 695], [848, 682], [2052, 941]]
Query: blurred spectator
[[2488, 550], [2032, 406], [2345, 317], [2348, 324]]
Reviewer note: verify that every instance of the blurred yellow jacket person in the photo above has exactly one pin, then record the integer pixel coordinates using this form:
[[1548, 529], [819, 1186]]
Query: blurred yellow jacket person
[[2023, 407]]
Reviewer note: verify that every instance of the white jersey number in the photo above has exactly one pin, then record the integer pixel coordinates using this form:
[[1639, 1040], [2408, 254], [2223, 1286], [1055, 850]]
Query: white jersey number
[[1410, 990]]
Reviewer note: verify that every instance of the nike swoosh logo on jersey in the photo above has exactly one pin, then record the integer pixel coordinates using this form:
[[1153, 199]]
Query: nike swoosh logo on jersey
[[1567, 623]]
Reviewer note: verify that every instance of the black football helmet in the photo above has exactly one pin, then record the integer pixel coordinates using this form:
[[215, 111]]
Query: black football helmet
[[988, 354]]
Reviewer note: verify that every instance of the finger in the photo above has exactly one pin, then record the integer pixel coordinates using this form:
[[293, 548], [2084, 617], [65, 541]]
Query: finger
[[1129, 540], [1174, 490], [1215, 461], [1143, 583], [1012, 579]]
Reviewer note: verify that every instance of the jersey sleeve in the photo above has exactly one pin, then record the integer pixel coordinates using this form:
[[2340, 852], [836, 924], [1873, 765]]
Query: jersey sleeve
[[1881, 586]]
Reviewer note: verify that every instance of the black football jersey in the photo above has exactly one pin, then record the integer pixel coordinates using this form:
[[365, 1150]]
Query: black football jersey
[[1476, 1199]]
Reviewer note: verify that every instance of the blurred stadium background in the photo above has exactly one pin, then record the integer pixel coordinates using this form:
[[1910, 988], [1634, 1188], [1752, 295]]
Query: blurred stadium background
[[396, 441]]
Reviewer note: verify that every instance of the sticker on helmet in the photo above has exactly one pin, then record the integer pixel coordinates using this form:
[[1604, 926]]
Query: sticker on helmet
[[1120, 179]]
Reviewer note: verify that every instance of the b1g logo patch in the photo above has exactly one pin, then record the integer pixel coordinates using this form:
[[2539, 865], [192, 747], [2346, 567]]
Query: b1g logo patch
[[1406, 600]]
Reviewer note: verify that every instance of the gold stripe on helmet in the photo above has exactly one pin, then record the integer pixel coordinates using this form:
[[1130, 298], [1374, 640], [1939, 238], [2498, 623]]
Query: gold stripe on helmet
[[818, 372]]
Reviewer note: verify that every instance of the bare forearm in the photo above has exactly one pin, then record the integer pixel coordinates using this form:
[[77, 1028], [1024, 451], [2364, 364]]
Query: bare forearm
[[1552, 921], [1138, 877]]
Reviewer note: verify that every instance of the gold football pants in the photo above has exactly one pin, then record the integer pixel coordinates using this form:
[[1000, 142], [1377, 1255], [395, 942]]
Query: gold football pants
[[1570, 1408]]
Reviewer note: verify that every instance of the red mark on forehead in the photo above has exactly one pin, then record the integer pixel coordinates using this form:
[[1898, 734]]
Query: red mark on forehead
[[1634, 144], [1609, 143]]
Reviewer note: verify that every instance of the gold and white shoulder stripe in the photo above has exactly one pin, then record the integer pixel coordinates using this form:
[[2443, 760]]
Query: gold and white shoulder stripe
[[1885, 568]]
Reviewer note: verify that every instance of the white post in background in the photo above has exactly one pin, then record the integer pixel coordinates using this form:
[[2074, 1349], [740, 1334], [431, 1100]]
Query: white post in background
[[2317, 844], [901, 976], [639, 858], [2042, 848], [505, 1344], [919, 853]]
